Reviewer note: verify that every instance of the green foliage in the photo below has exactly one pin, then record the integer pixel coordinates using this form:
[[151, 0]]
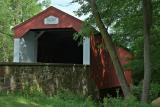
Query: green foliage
[[124, 21], [5, 37], [137, 47], [72, 100], [61, 99], [85, 32], [46, 3], [154, 91], [124, 103]]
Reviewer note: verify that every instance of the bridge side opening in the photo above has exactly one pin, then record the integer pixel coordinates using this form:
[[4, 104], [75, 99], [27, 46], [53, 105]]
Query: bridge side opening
[[58, 46]]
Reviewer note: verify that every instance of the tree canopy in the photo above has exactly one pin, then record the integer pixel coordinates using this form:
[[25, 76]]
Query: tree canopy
[[123, 20]]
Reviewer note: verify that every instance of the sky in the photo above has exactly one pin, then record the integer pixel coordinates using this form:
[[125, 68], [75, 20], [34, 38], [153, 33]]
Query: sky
[[66, 6]]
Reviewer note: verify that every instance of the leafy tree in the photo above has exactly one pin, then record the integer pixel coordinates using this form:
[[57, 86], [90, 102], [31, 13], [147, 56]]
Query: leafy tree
[[103, 22], [5, 37], [123, 20], [111, 49], [129, 32]]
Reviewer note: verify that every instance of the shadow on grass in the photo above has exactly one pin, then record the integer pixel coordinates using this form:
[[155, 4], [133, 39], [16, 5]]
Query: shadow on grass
[[16, 101]]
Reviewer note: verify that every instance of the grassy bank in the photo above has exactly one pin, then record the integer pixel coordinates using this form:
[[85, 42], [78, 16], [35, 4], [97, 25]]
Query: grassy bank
[[64, 99], [59, 100]]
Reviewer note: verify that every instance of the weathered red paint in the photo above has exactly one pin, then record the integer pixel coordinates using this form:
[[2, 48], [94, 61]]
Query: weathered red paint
[[102, 68], [37, 22]]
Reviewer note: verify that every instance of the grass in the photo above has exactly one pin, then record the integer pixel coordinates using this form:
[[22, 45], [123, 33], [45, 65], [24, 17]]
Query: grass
[[62, 99], [124, 103], [59, 100]]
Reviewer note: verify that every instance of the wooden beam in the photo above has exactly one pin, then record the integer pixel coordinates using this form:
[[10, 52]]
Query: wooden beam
[[39, 34]]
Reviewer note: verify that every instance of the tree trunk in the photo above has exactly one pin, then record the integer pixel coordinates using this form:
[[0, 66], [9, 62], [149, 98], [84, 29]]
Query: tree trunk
[[147, 14], [111, 49]]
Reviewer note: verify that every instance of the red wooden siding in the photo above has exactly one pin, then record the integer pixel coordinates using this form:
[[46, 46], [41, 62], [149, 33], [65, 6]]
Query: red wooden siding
[[102, 68], [37, 22]]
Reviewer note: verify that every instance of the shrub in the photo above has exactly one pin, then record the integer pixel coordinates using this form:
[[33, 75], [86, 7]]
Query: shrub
[[154, 91], [124, 103]]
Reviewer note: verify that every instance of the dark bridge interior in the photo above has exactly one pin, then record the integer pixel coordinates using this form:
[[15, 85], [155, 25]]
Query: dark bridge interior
[[58, 46]]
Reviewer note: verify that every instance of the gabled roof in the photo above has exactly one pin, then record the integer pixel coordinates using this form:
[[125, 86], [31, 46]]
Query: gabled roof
[[37, 22]]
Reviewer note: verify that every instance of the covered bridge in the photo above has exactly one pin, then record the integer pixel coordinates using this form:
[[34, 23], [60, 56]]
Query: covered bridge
[[48, 38]]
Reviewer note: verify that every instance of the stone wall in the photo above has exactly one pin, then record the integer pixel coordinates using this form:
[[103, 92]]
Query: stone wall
[[46, 77]]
